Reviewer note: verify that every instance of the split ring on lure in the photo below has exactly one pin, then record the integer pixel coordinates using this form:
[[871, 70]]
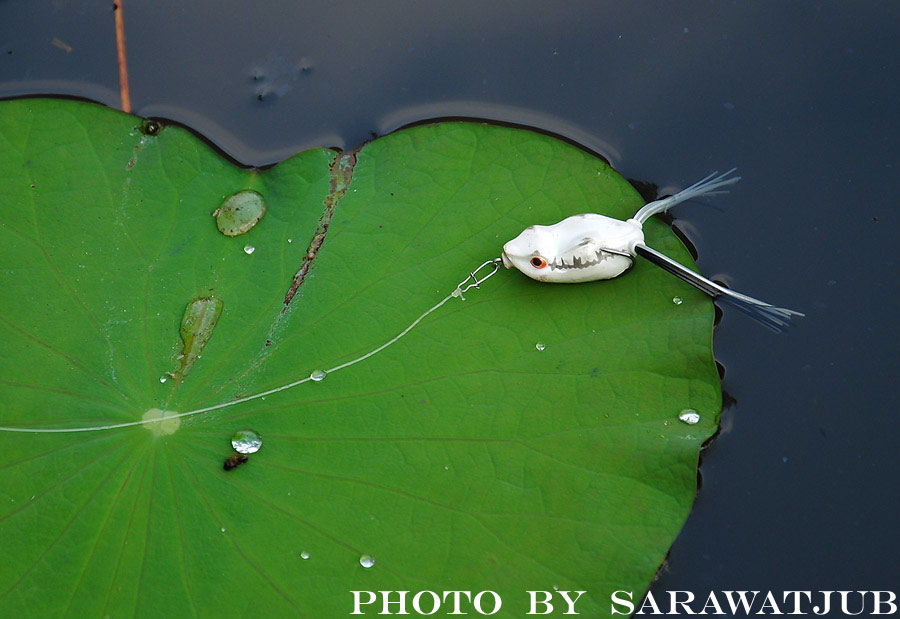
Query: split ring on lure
[[588, 247]]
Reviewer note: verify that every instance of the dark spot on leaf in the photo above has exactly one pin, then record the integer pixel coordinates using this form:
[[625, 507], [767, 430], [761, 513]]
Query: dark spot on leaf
[[151, 127], [234, 461]]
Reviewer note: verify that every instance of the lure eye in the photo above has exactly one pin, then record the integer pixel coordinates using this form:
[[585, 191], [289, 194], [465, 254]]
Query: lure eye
[[538, 262]]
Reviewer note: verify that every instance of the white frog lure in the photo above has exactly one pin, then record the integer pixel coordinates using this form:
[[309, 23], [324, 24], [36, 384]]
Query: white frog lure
[[588, 247]]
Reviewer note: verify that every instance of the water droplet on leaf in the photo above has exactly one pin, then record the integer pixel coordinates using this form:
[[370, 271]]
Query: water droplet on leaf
[[200, 318], [677, 300], [367, 561], [162, 379], [160, 422], [246, 441], [249, 249], [304, 555], [240, 212], [689, 416], [540, 346], [317, 375]]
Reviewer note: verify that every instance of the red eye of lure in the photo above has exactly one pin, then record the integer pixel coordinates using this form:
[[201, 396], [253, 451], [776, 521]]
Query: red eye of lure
[[538, 262]]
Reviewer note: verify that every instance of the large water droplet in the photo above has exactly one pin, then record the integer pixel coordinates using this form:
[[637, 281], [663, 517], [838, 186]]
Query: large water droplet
[[200, 318], [240, 212], [249, 249], [367, 561], [160, 422], [677, 300], [689, 416], [246, 441], [317, 375], [540, 346], [304, 555]]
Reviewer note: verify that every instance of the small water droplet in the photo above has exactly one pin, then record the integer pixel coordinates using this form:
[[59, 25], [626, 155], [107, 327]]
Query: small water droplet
[[556, 587], [677, 300], [317, 375], [246, 441], [540, 346], [249, 249], [223, 529], [689, 416], [290, 240], [304, 555], [367, 561], [162, 379]]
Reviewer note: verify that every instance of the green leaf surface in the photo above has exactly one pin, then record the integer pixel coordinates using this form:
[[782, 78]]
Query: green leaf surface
[[461, 457]]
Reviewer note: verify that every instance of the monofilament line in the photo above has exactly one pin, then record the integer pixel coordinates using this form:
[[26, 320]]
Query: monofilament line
[[262, 394]]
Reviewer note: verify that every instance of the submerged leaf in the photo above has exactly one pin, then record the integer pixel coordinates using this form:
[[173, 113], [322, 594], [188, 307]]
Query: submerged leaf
[[527, 437]]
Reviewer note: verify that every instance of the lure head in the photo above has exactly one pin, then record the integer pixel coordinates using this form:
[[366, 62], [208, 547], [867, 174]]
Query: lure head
[[580, 248], [531, 252]]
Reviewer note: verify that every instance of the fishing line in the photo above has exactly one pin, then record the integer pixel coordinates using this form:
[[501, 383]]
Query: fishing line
[[472, 281]]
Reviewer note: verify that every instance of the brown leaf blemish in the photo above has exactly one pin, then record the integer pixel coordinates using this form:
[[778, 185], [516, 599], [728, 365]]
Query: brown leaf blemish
[[341, 176]]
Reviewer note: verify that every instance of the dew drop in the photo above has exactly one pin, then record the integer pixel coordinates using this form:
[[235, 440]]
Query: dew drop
[[290, 240], [240, 212], [317, 375], [367, 561], [249, 249], [304, 555], [246, 441], [162, 379], [677, 300], [540, 346], [689, 416], [223, 529]]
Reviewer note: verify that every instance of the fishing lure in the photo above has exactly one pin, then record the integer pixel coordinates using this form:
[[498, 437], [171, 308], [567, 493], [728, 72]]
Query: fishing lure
[[590, 247]]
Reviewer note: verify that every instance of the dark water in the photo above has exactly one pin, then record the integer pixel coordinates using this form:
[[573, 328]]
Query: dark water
[[800, 489]]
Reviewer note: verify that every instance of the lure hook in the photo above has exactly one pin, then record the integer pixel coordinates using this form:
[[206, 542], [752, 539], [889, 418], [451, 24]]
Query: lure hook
[[473, 281]]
